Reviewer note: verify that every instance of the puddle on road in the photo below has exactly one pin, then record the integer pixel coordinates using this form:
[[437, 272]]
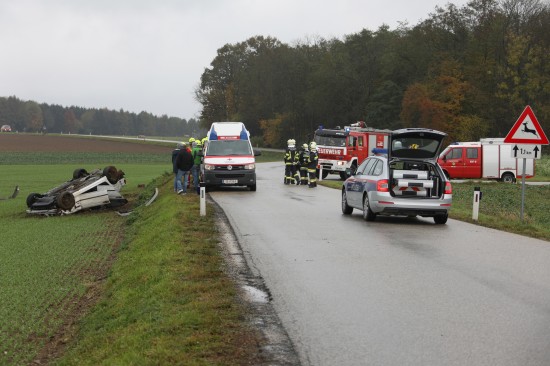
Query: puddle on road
[[255, 294]]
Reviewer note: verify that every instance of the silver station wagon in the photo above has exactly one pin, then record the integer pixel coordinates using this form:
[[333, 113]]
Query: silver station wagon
[[407, 181]]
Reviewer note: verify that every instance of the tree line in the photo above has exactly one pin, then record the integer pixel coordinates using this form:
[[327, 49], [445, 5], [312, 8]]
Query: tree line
[[468, 71], [29, 116]]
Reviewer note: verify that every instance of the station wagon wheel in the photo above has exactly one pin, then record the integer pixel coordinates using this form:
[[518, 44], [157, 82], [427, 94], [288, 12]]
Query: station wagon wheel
[[65, 200], [368, 215], [441, 219], [32, 198], [79, 173], [346, 209], [111, 173]]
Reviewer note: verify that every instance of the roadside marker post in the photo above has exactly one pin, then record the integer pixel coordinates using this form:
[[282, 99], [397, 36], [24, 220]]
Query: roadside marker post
[[477, 198], [203, 199]]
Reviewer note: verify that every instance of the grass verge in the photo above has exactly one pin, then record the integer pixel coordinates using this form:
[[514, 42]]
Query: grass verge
[[167, 300]]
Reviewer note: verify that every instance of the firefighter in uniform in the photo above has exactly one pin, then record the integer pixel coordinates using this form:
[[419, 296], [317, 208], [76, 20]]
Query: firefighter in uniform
[[312, 164], [291, 160], [303, 159]]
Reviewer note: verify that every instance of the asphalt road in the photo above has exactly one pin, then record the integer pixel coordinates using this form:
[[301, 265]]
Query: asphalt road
[[396, 291]]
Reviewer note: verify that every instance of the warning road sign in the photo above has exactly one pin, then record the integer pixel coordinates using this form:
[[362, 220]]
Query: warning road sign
[[527, 130]]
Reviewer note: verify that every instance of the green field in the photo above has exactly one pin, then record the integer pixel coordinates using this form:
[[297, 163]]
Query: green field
[[96, 288], [48, 263]]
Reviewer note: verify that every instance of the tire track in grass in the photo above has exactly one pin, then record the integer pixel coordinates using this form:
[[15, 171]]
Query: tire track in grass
[[89, 274]]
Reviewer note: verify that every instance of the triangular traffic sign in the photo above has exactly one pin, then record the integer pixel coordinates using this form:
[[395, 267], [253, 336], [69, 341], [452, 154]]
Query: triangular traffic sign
[[527, 130]]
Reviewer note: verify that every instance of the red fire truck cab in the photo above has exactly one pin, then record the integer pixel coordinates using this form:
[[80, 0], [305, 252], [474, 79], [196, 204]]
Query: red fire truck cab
[[341, 150]]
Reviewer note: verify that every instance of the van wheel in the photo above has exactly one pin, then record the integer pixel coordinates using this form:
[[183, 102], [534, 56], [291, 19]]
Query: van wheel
[[441, 219], [252, 188], [508, 178]]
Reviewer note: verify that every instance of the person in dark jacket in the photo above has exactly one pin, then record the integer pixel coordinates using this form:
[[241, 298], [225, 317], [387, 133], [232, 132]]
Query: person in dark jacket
[[175, 153], [184, 163]]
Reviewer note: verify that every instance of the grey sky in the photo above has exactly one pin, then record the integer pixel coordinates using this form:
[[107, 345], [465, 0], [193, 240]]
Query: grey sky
[[142, 55]]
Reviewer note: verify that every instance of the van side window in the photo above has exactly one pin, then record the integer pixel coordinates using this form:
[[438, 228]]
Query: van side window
[[471, 153], [360, 140], [455, 154]]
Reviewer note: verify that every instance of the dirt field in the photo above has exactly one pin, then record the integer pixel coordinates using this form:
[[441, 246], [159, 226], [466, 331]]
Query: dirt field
[[14, 142]]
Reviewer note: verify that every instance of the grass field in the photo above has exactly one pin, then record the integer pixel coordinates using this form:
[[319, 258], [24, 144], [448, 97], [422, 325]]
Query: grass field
[[48, 264], [95, 288]]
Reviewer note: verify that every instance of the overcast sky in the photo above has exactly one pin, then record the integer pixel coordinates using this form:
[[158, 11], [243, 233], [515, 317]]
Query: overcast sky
[[141, 55]]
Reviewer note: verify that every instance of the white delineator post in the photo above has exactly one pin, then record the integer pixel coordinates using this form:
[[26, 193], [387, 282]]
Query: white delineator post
[[477, 198], [203, 199], [320, 172]]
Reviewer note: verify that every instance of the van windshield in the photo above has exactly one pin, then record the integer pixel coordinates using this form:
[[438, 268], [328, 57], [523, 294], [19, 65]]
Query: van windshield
[[228, 147]]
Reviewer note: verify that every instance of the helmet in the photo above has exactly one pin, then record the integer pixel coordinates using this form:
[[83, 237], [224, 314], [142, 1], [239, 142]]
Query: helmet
[[313, 146], [198, 142], [413, 146], [204, 139], [304, 146], [291, 142], [191, 140]]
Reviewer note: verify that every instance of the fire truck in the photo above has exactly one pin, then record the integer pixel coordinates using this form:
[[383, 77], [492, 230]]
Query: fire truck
[[341, 150], [489, 158]]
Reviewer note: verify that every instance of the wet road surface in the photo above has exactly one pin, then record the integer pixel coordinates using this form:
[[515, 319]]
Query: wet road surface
[[396, 291]]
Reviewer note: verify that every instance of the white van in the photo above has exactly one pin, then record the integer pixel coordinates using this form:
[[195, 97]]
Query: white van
[[228, 156]]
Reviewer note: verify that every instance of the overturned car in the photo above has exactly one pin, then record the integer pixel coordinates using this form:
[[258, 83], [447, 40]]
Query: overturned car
[[97, 189]]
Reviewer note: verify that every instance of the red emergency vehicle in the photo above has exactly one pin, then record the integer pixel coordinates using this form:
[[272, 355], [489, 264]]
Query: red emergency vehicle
[[488, 158], [341, 150]]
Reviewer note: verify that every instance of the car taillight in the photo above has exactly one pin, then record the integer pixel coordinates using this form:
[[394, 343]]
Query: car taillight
[[382, 186], [448, 188]]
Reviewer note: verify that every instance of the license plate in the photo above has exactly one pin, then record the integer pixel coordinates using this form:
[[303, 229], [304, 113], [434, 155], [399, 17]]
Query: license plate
[[230, 181]]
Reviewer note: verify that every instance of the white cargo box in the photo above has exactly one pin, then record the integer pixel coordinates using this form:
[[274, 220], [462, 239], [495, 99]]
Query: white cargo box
[[410, 174]]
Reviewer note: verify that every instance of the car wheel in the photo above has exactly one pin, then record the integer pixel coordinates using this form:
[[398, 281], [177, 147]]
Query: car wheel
[[508, 178], [368, 215], [346, 209], [343, 176], [252, 188], [79, 173], [65, 200], [111, 173], [441, 219], [32, 198], [325, 173]]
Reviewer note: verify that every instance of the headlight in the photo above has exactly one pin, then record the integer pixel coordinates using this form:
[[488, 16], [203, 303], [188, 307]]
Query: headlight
[[250, 166], [208, 167], [340, 163]]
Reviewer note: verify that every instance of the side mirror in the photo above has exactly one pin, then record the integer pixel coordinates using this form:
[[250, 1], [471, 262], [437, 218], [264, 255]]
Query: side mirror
[[444, 158], [257, 152]]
